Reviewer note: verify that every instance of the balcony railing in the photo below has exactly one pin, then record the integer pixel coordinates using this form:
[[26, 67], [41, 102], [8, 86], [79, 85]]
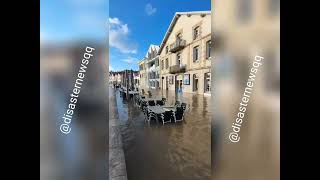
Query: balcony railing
[[178, 45], [177, 69]]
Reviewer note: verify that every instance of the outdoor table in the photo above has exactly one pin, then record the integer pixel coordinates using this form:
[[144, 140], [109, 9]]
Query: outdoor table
[[160, 110]]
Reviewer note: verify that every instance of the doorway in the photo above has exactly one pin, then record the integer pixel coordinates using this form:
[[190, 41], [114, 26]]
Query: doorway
[[167, 83], [195, 81]]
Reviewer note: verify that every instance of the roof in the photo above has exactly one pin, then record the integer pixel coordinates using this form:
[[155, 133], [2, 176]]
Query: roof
[[152, 47], [173, 22]]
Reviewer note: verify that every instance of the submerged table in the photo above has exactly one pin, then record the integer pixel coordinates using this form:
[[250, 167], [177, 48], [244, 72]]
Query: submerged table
[[161, 109]]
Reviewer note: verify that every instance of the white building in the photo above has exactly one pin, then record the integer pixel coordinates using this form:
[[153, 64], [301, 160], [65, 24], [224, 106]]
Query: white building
[[152, 68]]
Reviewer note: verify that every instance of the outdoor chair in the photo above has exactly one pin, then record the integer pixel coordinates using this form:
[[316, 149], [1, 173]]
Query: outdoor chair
[[167, 117], [159, 102], [184, 106], [151, 103], [149, 115], [179, 114], [164, 99], [143, 104]]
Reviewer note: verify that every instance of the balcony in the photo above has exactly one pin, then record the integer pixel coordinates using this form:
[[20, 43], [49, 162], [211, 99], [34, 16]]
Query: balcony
[[177, 46], [177, 69]]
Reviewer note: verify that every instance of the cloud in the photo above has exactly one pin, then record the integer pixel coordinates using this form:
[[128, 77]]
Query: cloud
[[111, 68], [115, 21], [130, 60], [150, 10], [119, 36]]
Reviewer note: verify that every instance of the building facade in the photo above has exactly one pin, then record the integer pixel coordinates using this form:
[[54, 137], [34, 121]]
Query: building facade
[[153, 69], [142, 74], [185, 54], [115, 78], [149, 69]]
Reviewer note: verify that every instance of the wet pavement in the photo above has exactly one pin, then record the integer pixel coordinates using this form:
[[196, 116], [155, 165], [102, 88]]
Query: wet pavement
[[166, 152]]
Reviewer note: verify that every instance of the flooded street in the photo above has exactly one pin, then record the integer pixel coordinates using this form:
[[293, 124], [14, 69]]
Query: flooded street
[[166, 152]]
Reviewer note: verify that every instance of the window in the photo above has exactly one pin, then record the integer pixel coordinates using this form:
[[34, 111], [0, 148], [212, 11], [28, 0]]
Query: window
[[162, 65], [167, 49], [196, 32], [178, 59], [245, 10], [167, 63], [196, 54], [208, 49]]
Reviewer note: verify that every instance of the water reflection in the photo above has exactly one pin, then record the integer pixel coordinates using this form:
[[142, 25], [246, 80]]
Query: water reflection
[[171, 151]]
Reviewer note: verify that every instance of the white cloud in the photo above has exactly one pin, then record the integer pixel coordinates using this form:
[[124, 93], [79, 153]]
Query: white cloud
[[114, 21], [130, 60], [118, 36], [110, 68], [150, 10]]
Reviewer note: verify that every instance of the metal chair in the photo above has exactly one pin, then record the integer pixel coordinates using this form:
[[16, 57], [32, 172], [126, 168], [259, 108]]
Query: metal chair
[[151, 103], [159, 102], [179, 114], [184, 106], [167, 117], [149, 115], [177, 103]]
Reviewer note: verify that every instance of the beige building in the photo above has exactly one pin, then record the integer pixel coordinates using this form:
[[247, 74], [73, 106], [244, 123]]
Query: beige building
[[142, 74], [115, 78], [185, 53]]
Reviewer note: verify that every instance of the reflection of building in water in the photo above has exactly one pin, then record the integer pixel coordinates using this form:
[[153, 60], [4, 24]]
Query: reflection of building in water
[[185, 53], [241, 30]]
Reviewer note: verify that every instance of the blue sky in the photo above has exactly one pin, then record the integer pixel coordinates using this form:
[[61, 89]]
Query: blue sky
[[134, 25], [73, 20]]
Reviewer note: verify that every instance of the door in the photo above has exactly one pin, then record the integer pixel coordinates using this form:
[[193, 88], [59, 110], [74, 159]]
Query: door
[[167, 83]]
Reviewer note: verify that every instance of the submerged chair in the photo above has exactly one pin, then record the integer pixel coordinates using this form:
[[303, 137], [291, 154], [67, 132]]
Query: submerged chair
[[184, 106], [149, 115], [167, 117], [151, 103], [143, 104], [159, 102], [164, 100], [177, 103], [179, 114]]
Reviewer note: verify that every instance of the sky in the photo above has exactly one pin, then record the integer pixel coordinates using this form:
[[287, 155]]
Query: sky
[[134, 25], [73, 20], [129, 26]]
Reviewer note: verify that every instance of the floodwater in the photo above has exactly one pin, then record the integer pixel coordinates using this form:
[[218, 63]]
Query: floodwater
[[166, 152]]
